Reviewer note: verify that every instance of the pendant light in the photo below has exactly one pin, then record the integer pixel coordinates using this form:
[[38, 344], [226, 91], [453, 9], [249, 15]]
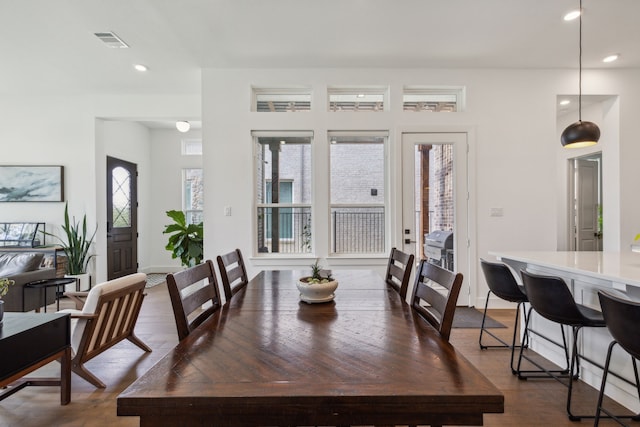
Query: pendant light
[[580, 134]]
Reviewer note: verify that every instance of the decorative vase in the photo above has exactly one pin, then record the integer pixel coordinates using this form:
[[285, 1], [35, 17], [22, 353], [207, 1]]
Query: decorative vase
[[316, 292]]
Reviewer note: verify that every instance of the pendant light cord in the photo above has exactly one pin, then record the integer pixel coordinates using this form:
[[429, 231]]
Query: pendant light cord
[[580, 68]]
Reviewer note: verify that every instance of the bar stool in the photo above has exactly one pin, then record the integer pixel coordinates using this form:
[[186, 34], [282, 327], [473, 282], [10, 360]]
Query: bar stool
[[622, 318], [503, 284], [550, 297]]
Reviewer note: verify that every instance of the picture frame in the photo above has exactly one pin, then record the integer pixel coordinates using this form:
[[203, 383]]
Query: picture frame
[[38, 183]]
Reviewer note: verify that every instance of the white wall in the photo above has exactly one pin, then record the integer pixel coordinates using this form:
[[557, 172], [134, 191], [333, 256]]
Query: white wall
[[167, 162], [69, 131], [512, 114]]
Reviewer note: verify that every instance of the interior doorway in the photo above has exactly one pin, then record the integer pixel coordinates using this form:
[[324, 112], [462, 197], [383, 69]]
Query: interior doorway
[[435, 201], [122, 218], [585, 207]]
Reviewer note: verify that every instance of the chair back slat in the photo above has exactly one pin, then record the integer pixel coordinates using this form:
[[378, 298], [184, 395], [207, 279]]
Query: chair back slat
[[399, 271], [232, 272], [435, 294], [190, 290]]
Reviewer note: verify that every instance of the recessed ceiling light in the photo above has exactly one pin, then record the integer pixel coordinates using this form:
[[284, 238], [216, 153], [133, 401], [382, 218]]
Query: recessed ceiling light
[[565, 102], [570, 16], [283, 142], [140, 67], [360, 95], [611, 58]]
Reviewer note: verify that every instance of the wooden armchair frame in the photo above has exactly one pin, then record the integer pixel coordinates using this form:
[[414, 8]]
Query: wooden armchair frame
[[113, 320]]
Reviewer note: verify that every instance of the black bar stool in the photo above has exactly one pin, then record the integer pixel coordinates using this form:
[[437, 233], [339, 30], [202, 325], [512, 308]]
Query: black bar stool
[[622, 318], [503, 285], [550, 297]]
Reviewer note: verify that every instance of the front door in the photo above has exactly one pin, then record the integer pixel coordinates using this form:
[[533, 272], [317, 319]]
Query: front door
[[435, 199], [122, 218]]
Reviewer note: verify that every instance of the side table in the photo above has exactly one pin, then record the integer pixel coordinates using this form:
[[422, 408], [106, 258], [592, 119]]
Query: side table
[[47, 283], [29, 341]]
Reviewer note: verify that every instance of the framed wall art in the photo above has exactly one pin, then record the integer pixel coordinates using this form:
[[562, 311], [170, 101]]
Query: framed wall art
[[31, 183]]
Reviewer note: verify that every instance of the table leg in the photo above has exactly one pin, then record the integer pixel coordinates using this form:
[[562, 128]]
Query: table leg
[[65, 377]]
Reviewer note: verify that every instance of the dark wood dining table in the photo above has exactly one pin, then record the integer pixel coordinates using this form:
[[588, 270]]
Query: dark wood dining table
[[266, 358]]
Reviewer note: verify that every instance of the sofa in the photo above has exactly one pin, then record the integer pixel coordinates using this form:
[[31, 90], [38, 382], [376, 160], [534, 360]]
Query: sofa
[[24, 267]]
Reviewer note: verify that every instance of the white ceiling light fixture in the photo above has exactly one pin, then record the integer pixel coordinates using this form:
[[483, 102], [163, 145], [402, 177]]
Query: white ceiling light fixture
[[570, 16], [611, 58], [183, 126], [141, 67], [565, 102]]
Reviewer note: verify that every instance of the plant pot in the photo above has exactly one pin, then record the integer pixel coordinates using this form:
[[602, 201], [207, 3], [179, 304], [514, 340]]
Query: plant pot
[[316, 292]]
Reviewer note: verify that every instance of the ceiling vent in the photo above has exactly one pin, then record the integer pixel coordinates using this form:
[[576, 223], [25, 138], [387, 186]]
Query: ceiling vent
[[112, 40]]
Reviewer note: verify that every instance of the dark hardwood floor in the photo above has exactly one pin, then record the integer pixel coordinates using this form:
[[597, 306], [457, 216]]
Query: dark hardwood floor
[[527, 403]]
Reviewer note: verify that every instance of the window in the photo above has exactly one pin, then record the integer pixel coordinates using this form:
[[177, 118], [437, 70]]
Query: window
[[192, 147], [433, 99], [286, 100], [357, 99], [283, 192], [357, 186], [192, 193]]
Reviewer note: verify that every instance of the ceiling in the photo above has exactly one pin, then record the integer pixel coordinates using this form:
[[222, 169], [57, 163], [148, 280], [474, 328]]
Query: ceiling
[[49, 46]]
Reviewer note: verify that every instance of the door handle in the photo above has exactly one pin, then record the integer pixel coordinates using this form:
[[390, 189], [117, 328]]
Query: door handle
[[409, 241]]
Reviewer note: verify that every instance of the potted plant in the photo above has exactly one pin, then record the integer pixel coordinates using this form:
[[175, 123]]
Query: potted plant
[[4, 288], [187, 240], [76, 245], [319, 287]]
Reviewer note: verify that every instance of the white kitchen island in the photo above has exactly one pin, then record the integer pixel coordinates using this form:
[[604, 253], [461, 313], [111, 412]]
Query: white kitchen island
[[585, 273]]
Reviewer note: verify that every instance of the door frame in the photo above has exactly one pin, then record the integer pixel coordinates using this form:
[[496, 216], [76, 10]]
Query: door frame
[[467, 162]]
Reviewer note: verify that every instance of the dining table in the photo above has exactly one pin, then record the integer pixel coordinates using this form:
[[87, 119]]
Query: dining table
[[266, 358]]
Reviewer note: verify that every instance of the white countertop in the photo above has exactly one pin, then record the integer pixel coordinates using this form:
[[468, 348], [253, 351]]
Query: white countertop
[[620, 267]]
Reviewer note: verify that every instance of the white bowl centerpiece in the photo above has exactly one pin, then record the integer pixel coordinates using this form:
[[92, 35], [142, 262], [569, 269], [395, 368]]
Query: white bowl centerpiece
[[319, 287]]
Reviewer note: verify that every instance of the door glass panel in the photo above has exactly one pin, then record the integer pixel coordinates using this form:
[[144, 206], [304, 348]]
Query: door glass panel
[[121, 196], [434, 203]]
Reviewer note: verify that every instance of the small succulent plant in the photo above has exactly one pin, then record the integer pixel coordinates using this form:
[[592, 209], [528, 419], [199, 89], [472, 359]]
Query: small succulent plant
[[316, 274]]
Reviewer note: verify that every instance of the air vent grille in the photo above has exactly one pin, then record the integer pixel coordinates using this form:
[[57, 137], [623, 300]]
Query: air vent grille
[[112, 40]]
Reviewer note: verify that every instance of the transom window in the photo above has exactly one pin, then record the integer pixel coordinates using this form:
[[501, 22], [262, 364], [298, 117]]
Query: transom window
[[283, 100], [357, 99], [433, 99]]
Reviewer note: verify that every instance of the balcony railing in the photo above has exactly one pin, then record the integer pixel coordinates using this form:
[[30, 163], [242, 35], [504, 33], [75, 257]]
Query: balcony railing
[[353, 230], [358, 230]]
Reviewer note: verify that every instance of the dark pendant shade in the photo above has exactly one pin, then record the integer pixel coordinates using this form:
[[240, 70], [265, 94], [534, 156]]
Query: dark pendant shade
[[580, 134]]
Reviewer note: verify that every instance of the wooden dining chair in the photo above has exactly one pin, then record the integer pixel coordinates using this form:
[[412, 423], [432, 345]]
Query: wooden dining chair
[[399, 271], [435, 294], [194, 296], [233, 273]]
